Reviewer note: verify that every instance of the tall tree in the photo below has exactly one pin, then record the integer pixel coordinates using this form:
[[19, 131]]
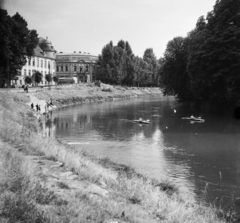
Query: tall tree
[[214, 56], [17, 43], [152, 66], [173, 70]]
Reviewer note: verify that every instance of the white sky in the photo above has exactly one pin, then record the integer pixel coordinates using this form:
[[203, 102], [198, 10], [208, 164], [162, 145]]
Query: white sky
[[88, 25]]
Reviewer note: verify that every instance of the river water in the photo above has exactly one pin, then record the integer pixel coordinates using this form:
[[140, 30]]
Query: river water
[[202, 159]]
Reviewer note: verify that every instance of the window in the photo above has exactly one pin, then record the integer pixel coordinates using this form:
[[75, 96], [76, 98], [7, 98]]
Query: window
[[86, 68], [49, 66], [25, 72], [62, 68], [20, 82], [75, 68], [33, 61], [81, 69], [45, 63], [66, 67], [41, 63], [37, 62], [29, 72], [57, 69], [29, 61]]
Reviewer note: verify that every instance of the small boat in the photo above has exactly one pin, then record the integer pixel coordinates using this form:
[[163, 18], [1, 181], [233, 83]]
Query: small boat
[[142, 121], [192, 118]]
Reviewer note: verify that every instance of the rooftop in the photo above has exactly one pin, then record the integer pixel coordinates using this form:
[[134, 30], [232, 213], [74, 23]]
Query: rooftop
[[46, 45]]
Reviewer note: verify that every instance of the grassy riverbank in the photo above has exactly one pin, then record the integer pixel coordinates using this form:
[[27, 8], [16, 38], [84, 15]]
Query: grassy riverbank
[[43, 180]]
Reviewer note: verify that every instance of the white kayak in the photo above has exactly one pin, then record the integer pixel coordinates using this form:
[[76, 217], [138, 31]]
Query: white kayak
[[141, 121]]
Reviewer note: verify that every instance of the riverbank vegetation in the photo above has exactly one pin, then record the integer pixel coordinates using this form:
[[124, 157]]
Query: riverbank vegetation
[[84, 93], [43, 180], [204, 66], [118, 65]]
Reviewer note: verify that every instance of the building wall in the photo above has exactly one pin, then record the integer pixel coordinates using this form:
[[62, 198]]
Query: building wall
[[37, 64], [44, 61], [76, 65]]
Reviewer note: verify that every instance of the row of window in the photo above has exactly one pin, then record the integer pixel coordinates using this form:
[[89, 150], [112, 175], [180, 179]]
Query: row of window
[[30, 72], [39, 63], [66, 69]]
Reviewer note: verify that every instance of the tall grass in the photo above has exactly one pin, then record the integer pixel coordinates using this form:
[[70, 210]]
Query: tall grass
[[129, 197]]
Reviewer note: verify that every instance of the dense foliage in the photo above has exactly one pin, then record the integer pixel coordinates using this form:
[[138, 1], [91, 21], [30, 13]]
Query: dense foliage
[[205, 66], [28, 80], [48, 78], [118, 65], [17, 43], [55, 79], [37, 77]]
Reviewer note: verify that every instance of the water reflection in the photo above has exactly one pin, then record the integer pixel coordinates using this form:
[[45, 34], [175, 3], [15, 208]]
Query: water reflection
[[194, 156]]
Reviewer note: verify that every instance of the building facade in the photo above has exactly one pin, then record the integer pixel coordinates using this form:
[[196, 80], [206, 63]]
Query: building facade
[[44, 61], [79, 67]]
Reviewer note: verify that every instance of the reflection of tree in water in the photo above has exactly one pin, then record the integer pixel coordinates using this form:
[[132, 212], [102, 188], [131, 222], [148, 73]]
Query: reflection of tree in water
[[49, 123]]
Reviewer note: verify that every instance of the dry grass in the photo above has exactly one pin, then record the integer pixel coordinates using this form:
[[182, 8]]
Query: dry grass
[[131, 197]]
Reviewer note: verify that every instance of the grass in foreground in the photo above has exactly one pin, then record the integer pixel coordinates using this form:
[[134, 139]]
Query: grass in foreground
[[131, 196]]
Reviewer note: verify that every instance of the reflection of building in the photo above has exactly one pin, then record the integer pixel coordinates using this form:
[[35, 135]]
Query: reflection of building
[[80, 67], [48, 128], [42, 61]]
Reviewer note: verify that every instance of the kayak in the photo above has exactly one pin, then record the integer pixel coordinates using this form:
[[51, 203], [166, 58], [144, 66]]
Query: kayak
[[142, 121], [192, 118]]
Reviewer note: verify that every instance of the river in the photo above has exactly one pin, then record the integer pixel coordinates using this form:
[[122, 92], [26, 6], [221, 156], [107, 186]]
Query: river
[[202, 159]]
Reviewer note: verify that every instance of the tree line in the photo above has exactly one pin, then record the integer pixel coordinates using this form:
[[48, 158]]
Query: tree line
[[202, 67], [118, 65], [205, 65]]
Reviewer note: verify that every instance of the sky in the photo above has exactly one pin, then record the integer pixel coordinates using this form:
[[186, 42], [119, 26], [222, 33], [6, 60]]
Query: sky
[[88, 25]]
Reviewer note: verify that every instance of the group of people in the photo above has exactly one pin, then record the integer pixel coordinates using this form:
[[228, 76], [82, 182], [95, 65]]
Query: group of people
[[37, 107], [48, 104]]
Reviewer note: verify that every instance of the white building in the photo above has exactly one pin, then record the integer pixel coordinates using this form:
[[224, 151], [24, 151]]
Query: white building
[[44, 61]]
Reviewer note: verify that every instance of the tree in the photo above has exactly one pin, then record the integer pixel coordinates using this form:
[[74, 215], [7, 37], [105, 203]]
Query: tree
[[37, 77], [214, 56], [48, 77], [173, 70], [152, 67], [17, 43], [28, 80], [55, 79], [118, 65]]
